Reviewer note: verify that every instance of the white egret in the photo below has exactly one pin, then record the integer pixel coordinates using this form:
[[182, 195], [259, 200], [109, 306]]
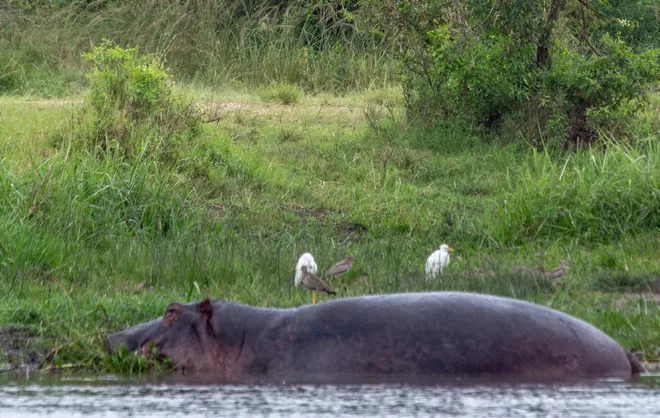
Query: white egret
[[438, 261], [305, 260]]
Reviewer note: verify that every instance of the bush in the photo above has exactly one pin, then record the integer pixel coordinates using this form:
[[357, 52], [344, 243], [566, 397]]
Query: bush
[[592, 90], [120, 77], [480, 82], [535, 64], [131, 108]]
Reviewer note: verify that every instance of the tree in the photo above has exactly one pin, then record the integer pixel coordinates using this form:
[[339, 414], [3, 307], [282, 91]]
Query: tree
[[557, 65]]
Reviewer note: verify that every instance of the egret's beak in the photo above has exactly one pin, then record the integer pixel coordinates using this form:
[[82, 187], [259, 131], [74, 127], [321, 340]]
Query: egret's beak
[[451, 250]]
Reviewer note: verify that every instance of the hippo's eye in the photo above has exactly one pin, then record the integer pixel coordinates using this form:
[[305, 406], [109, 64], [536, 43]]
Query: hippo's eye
[[172, 313], [173, 308]]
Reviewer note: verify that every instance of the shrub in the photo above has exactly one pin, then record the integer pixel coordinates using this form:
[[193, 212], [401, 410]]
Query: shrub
[[482, 81], [547, 65], [131, 108], [593, 89]]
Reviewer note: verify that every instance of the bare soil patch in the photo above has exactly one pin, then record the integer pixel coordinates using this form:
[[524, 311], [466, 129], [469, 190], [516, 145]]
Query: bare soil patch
[[20, 350]]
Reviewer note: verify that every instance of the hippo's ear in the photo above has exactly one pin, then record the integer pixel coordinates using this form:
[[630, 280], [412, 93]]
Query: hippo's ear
[[206, 309]]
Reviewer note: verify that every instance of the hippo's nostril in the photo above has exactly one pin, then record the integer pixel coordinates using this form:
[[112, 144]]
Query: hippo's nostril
[[152, 348], [147, 347]]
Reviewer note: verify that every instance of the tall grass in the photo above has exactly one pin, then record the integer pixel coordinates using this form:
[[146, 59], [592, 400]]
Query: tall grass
[[592, 195], [251, 43]]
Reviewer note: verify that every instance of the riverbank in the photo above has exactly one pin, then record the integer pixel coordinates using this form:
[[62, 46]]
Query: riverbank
[[91, 245]]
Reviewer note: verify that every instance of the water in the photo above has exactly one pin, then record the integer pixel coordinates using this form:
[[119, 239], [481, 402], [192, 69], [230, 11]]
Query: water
[[114, 397]]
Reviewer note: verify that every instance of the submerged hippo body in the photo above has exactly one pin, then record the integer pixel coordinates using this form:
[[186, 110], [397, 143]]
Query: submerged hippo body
[[418, 334]]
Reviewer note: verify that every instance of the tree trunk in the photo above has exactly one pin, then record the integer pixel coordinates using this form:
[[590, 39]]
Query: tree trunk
[[543, 47]]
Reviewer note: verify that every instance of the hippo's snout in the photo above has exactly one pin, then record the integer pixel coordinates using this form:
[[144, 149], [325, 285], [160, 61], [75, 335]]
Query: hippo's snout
[[113, 341], [133, 337]]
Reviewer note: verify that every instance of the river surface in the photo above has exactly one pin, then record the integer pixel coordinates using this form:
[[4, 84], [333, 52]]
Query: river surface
[[108, 396]]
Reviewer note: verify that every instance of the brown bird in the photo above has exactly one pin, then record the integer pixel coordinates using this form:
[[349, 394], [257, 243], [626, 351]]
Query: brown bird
[[558, 283], [340, 268], [314, 283], [560, 271]]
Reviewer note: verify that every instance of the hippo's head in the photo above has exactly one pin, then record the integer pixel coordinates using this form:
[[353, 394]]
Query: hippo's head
[[185, 335]]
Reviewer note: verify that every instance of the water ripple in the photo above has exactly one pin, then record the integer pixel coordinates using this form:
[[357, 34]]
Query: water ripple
[[115, 397]]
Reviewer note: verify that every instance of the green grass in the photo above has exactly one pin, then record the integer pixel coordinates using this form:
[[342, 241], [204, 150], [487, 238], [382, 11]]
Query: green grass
[[285, 94], [333, 175]]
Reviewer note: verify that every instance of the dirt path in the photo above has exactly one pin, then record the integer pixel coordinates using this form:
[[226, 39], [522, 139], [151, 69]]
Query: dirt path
[[214, 110], [209, 105]]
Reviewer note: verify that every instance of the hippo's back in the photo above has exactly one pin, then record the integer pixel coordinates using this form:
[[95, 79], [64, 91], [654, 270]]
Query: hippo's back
[[446, 333]]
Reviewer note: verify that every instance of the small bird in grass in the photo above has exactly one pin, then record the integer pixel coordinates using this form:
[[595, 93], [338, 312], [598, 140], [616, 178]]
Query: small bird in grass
[[560, 271], [314, 283], [340, 268], [438, 261], [557, 274], [305, 260]]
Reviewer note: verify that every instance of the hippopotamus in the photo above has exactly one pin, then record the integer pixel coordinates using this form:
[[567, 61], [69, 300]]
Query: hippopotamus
[[434, 334]]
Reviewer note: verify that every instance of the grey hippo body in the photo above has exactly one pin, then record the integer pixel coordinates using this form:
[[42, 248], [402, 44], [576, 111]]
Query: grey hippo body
[[413, 334]]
